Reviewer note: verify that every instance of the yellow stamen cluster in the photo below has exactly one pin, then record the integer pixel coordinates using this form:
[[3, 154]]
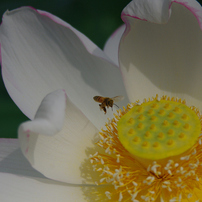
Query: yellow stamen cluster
[[134, 178]]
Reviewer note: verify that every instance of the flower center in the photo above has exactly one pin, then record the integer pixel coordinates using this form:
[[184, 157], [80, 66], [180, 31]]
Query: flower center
[[151, 151], [159, 129]]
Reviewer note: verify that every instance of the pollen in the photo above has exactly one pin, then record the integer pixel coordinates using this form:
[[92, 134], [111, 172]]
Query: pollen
[[170, 115], [153, 118], [184, 117], [182, 135], [170, 142], [160, 135], [145, 144], [171, 132], [140, 126], [156, 144], [147, 134], [161, 112], [131, 121], [165, 123], [131, 131], [176, 123], [147, 159], [136, 139], [141, 117], [167, 106]]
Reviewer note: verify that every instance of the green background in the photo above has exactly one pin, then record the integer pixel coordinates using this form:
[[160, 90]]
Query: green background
[[97, 19]]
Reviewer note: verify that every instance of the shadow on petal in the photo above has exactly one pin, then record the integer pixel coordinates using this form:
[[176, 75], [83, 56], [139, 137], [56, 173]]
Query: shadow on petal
[[16, 163]]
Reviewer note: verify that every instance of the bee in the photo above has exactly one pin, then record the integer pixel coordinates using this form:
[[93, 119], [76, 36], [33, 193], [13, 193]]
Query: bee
[[107, 102]]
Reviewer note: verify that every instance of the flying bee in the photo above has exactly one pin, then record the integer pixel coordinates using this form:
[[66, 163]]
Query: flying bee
[[107, 102]]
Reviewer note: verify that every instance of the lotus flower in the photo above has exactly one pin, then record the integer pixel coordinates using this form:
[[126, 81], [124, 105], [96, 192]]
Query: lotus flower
[[149, 150]]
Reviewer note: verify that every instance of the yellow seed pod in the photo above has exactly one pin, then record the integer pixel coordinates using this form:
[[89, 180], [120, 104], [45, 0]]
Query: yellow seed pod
[[175, 129]]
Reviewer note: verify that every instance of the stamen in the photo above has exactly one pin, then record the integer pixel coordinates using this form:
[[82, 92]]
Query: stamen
[[167, 161]]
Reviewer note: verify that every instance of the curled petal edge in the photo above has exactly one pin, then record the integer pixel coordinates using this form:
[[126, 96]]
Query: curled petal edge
[[158, 11], [112, 44], [49, 118]]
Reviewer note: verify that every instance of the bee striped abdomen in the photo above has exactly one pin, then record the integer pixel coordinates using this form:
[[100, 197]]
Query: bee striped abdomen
[[98, 99]]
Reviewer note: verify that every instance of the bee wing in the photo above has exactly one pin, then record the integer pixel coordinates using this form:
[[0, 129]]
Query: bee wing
[[117, 98]]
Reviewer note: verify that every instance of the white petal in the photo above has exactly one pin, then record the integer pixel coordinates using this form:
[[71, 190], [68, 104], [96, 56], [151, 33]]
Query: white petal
[[194, 7], [89, 45], [24, 189], [163, 58], [64, 155], [12, 160], [20, 182], [40, 56], [112, 45], [152, 10]]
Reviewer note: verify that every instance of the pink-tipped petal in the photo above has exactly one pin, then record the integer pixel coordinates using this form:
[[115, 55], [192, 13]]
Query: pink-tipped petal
[[158, 11], [59, 155], [163, 58], [41, 54], [112, 45], [151, 10]]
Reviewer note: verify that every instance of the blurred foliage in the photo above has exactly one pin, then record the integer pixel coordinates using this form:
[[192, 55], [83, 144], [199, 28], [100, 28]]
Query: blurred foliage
[[96, 19]]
